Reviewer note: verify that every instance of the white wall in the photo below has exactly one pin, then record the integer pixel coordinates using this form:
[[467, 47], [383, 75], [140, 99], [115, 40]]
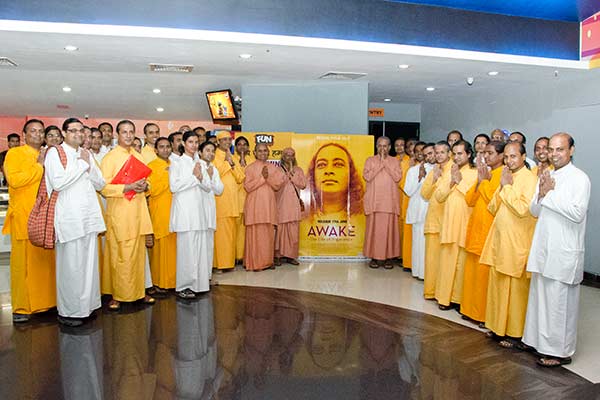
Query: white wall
[[562, 105], [398, 112], [306, 107]]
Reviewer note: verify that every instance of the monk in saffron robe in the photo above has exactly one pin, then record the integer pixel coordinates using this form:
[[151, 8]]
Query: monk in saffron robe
[[453, 230], [475, 280], [399, 148], [507, 248], [438, 176], [163, 256], [262, 180], [232, 174], [32, 269], [243, 157], [382, 206], [287, 236], [127, 223]]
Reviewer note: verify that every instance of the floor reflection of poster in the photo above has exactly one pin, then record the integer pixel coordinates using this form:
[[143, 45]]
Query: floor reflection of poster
[[334, 222]]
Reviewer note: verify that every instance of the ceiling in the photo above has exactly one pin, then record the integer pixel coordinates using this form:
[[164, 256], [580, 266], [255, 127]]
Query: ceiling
[[110, 78], [559, 10]]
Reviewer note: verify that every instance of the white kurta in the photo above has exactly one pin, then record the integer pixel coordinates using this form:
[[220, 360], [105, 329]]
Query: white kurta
[[193, 217], [556, 263], [78, 220], [415, 216], [98, 156]]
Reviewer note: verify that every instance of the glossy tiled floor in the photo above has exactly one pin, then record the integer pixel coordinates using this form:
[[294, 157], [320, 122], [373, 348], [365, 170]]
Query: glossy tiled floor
[[259, 343], [243, 342], [397, 288]]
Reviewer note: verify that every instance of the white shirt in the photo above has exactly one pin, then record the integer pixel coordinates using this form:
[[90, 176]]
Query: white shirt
[[210, 188], [174, 157], [98, 156], [77, 211], [417, 205], [188, 207], [557, 249]]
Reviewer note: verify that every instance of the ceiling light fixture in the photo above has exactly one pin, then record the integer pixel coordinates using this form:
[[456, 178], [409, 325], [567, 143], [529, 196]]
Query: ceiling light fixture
[[245, 56], [66, 89], [156, 91], [403, 66], [160, 109], [70, 47], [493, 73], [387, 99], [430, 89]]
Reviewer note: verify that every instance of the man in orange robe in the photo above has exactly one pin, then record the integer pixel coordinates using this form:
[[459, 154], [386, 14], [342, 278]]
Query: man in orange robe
[[32, 269], [262, 180], [287, 236], [475, 280], [382, 206], [438, 176]]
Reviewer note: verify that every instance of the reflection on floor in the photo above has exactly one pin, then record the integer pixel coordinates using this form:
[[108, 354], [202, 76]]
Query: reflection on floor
[[260, 343], [397, 288]]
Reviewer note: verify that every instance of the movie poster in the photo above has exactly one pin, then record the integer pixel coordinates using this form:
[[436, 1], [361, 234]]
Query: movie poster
[[333, 223]]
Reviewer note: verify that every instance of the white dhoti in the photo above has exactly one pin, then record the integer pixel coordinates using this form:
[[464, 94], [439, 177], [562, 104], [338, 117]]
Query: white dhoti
[[194, 260], [418, 250], [147, 273], [551, 321], [77, 277]]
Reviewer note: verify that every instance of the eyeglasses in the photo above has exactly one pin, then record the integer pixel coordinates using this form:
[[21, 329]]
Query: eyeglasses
[[73, 130]]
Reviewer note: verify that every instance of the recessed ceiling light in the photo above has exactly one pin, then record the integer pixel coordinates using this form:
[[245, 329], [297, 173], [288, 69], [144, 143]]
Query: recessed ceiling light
[[493, 73], [430, 89], [157, 90], [387, 99], [245, 56], [66, 89], [160, 109], [70, 47], [403, 66]]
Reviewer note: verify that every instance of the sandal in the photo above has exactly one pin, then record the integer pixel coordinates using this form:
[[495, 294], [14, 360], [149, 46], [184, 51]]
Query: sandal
[[373, 264], [443, 307], [20, 318], [507, 343], [293, 261], [388, 264], [186, 294], [523, 347], [277, 262], [149, 300], [552, 362], [114, 305]]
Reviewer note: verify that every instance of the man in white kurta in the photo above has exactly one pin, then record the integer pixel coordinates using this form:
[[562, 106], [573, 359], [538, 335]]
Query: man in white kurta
[[556, 256], [78, 220], [417, 205]]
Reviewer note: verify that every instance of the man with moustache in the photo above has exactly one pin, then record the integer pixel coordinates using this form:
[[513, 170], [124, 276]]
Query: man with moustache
[[556, 256], [151, 133], [507, 247]]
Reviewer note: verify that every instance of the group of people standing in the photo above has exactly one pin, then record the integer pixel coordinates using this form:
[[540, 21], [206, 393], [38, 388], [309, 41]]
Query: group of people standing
[[200, 207], [491, 233]]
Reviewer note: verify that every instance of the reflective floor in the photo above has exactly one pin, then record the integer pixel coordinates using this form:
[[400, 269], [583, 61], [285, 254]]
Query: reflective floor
[[260, 343]]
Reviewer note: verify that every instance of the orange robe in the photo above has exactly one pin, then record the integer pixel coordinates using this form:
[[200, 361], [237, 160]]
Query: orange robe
[[227, 211], [405, 229], [453, 233], [260, 214], [432, 228], [32, 269], [506, 250], [382, 208], [475, 279], [287, 237], [163, 255], [239, 221]]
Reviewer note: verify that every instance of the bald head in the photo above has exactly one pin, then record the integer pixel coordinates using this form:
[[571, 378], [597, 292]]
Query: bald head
[[561, 149]]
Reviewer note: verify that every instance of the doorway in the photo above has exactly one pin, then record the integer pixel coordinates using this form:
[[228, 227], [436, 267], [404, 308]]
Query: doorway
[[393, 130]]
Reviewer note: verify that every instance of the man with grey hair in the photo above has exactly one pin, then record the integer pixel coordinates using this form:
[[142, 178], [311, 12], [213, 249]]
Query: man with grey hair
[[556, 256], [382, 206]]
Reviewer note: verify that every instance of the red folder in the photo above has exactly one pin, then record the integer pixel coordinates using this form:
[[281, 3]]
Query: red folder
[[132, 171]]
